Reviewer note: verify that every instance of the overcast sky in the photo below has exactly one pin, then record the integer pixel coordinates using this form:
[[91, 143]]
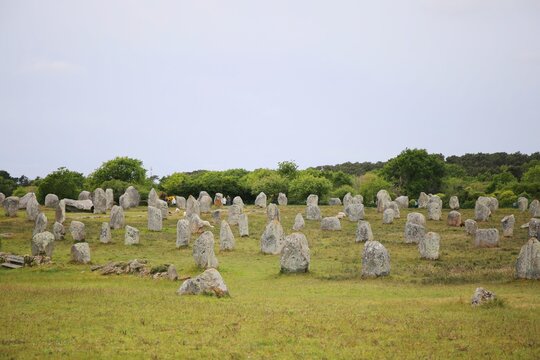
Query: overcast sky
[[186, 85]]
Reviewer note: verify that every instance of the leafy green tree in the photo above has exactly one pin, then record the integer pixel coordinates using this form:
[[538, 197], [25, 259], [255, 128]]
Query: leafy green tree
[[288, 169], [120, 168], [532, 175], [305, 184], [62, 182], [414, 171], [268, 181], [341, 191], [500, 181], [7, 183]]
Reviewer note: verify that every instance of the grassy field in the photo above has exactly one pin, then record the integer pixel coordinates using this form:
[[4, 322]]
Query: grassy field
[[422, 310]]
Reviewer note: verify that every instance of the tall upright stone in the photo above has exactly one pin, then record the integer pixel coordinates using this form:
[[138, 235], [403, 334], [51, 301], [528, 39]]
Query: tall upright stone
[[58, 231], [51, 201], [507, 223], [216, 217], [272, 238], [534, 208], [312, 199], [382, 198], [133, 196], [453, 203], [238, 201], [2, 198], [355, 211], [523, 203], [203, 251], [414, 233], [205, 204], [347, 200], [313, 212], [218, 199], [131, 236], [299, 222], [60, 212], [243, 225], [32, 209], [153, 198], [423, 200], [181, 202], [234, 214], [201, 194], [363, 232], [434, 211], [528, 261], [282, 199], [164, 208], [481, 212], [534, 228], [40, 224], [117, 220], [155, 221], [388, 216], [100, 201], [109, 198], [77, 230], [375, 260], [105, 233], [260, 200], [226, 237], [272, 213], [183, 233], [43, 244], [192, 207], [11, 205], [23, 201], [295, 256], [394, 206], [486, 238], [429, 246], [454, 218]]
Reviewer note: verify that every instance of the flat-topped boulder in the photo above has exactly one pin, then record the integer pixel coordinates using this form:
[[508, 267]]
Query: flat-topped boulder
[[295, 257]]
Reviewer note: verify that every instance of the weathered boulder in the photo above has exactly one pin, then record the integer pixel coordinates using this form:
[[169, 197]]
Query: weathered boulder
[[181, 202], [153, 198], [423, 200], [507, 223], [203, 251], [51, 201], [434, 211], [197, 225], [388, 216], [272, 213], [534, 228], [209, 282], [100, 201], [131, 236], [282, 199], [482, 296], [481, 212], [534, 208], [470, 227], [299, 222], [394, 206], [43, 244], [330, 223], [133, 197], [429, 246], [84, 195], [523, 203], [226, 237], [453, 203], [363, 232], [80, 253], [375, 259], [313, 212], [295, 254], [205, 204], [60, 212], [486, 238], [11, 205], [355, 211], [234, 214], [260, 200], [109, 198], [78, 205], [192, 207], [155, 222], [454, 218], [77, 230], [243, 225], [382, 198], [105, 233], [183, 233], [312, 199], [435, 198], [40, 224], [334, 201], [238, 201], [416, 218], [23, 201], [347, 199], [117, 217], [402, 202], [528, 261], [58, 231], [414, 233], [32, 209], [272, 238], [493, 204]]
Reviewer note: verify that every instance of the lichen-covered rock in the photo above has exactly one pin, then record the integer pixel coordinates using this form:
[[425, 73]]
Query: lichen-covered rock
[[192, 207], [40, 224], [481, 212], [183, 233], [423, 200], [2, 198], [534, 208], [272, 213], [402, 202], [470, 227], [205, 204], [109, 198], [429, 246], [181, 202], [357, 199], [523, 203], [313, 212], [299, 222], [482, 296], [133, 198], [43, 244], [234, 214], [453, 203], [117, 217], [84, 195], [11, 205], [534, 228], [78, 205], [334, 201], [375, 259], [100, 201], [355, 211], [60, 212], [436, 199], [282, 199], [272, 238], [105, 233], [331, 223], [507, 223], [80, 253], [209, 282], [155, 222], [226, 237], [77, 230], [58, 231], [295, 256], [363, 232], [131, 236], [51, 201], [382, 198], [528, 261], [394, 206], [434, 211], [153, 198], [238, 201], [312, 199], [260, 200], [32, 209], [486, 238], [388, 216], [416, 218], [454, 219], [414, 233], [243, 225], [203, 251], [347, 199]]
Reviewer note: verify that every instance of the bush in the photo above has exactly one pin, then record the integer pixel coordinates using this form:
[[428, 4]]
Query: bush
[[268, 181], [341, 191], [306, 184], [120, 168], [62, 182], [370, 184], [23, 190], [507, 198]]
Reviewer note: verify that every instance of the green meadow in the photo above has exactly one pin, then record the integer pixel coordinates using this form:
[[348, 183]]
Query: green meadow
[[421, 311]]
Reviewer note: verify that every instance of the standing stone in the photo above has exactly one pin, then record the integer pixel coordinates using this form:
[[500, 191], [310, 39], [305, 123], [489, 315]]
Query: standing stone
[[201, 194], [414, 233], [41, 224], [299, 222], [60, 212], [80, 253], [282, 199], [260, 200], [77, 230], [117, 217], [334, 201], [24, 200], [272, 238], [454, 219], [203, 251], [164, 208], [388, 216], [486, 238], [272, 213], [434, 211], [234, 214], [330, 223], [109, 198], [493, 204], [347, 199], [100, 201], [429, 246], [382, 198], [78, 205], [84, 195], [153, 198], [2, 198], [32, 209], [243, 225], [132, 235], [481, 212], [155, 222], [507, 223], [357, 199], [218, 199], [11, 205], [355, 211], [43, 244], [58, 231], [423, 200], [205, 204], [435, 198], [394, 206], [375, 259], [523, 203], [416, 218], [216, 217], [134, 198], [124, 201], [402, 202], [534, 228], [105, 233], [209, 282], [192, 207], [295, 256], [528, 261], [454, 203], [181, 202], [363, 232], [51, 201], [226, 237], [535, 208], [238, 201], [312, 199], [470, 227], [183, 233], [313, 212]]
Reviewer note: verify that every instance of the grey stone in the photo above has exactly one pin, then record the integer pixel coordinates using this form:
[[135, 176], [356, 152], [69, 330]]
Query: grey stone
[[534, 228], [58, 231], [330, 223], [209, 282], [357, 199], [77, 230], [51, 201], [100, 201], [429, 246], [481, 212], [299, 222], [486, 238], [117, 217], [78, 205], [238, 201], [109, 198], [216, 217], [312, 199], [203, 251], [346, 200], [183, 233], [471, 227], [375, 259], [453, 203], [507, 223], [84, 195], [493, 204], [482, 296], [523, 203], [11, 205], [313, 212], [388, 216], [334, 201], [153, 198], [234, 214], [2, 198], [23, 201], [197, 224], [205, 204], [414, 233], [80, 253], [260, 200], [295, 255], [201, 194], [164, 208], [282, 199], [416, 218], [436, 199], [272, 238], [454, 219], [355, 211], [434, 211], [60, 212], [192, 207], [105, 233], [171, 273], [243, 225], [131, 236], [534, 208], [218, 199], [423, 200], [363, 232], [133, 197], [32, 209], [181, 202], [272, 213], [382, 198], [226, 237], [394, 206], [43, 244], [528, 261], [402, 202], [155, 222], [41, 224]]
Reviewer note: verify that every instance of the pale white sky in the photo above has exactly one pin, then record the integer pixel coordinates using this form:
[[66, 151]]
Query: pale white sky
[[186, 85]]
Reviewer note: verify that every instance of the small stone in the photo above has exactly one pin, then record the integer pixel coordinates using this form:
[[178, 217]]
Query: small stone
[[299, 222], [394, 206], [429, 246], [171, 273], [155, 223], [58, 231], [218, 199], [105, 233], [226, 237], [80, 253], [528, 261], [313, 212], [355, 211], [282, 199], [203, 251], [382, 198], [423, 200], [534, 228], [43, 244], [363, 232], [507, 223], [470, 227], [77, 230], [454, 219], [183, 233], [330, 223], [375, 259], [402, 202], [243, 225], [132, 236], [51, 201], [209, 282], [523, 203], [295, 255], [272, 238], [60, 212], [117, 217], [164, 208], [482, 296], [534, 208], [414, 233], [197, 224], [238, 201], [486, 238], [216, 217], [78, 205], [388, 216], [416, 218], [434, 210], [41, 224], [334, 201]]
